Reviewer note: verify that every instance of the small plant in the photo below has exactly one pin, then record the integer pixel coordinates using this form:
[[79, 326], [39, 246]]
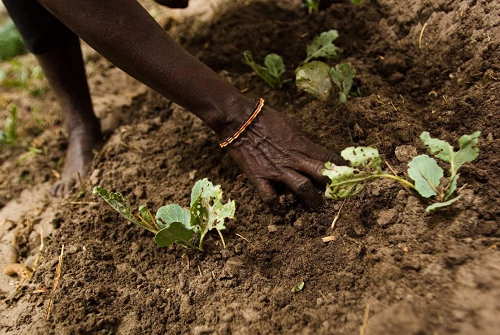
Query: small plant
[[311, 5], [316, 78], [27, 156], [11, 43], [366, 165], [342, 75], [173, 224], [271, 73], [23, 76], [9, 136], [322, 47]]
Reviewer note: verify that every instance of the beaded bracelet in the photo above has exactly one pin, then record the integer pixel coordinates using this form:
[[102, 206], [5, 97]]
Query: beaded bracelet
[[256, 111]]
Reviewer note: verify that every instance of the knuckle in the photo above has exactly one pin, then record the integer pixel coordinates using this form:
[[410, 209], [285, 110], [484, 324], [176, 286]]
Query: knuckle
[[305, 186]]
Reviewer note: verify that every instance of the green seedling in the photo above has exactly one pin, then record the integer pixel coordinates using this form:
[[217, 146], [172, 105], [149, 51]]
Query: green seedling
[[311, 5], [271, 72], [175, 225], [314, 78], [9, 135], [428, 176], [11, 43], [20, 75], [32, 151], [342, 75], [322, 47]]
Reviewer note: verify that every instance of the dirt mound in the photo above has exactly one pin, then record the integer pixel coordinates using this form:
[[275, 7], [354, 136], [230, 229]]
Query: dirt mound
[[407, 271]]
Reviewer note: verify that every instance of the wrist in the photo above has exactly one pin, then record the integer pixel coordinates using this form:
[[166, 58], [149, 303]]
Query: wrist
[[227, 118]]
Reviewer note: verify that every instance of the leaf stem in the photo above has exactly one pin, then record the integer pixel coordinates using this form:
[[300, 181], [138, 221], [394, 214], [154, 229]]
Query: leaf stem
[[401, 180], [374, 176]]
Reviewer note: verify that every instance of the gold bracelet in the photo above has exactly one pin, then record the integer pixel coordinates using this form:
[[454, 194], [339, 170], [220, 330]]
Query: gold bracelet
[[256, 111]]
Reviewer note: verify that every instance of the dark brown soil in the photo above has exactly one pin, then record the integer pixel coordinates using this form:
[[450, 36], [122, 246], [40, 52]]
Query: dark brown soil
[[408, 271]]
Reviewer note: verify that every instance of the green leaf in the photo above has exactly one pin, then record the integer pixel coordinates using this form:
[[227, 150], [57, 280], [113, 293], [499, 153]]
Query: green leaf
[[297, 288], [275, 66], [311, 5], [345, 181], [207, 210], [343, 75], [120, 204], [362, 156], [165, 215], [348, 181], [271, 73], [441, 204], [313, 78], [427, 175], [441, 149], [322, 47], [468, 149], [175, 232]]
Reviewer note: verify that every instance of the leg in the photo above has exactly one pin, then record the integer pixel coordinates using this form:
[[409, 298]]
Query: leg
[[57, 49], [64, 69]]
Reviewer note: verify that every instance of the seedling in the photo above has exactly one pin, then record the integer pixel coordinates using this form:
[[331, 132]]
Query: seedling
[[20, 75], [271, 73], [173, 224], [342, 75], [311, 5], [428, 176], [9, 136], [32, 152], [316, 78], [322, 47]]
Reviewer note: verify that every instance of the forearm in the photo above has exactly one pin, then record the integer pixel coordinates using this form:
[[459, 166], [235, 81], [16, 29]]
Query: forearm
[[124, 32]]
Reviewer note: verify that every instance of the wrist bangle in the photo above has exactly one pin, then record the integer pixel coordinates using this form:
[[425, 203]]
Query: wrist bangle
[[256, 111]]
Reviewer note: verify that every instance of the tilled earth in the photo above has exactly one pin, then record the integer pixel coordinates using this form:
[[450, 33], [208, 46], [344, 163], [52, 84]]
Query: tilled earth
[[390, 269]]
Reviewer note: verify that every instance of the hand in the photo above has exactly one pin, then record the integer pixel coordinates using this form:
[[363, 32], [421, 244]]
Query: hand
[[173, 3], [273, 149]]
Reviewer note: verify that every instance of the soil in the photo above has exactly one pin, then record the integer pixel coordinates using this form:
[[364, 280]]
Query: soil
[[390, 267]]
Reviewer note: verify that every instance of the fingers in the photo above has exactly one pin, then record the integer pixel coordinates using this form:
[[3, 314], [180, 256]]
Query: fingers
[[329, 156], [313, 151], [312, 168], [303, 187], [265, 190]]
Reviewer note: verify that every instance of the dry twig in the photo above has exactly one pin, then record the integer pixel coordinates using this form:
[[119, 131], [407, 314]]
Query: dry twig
[[55, 283]]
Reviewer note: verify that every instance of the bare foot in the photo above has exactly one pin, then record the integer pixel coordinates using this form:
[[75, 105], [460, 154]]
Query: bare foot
[[82, 144]]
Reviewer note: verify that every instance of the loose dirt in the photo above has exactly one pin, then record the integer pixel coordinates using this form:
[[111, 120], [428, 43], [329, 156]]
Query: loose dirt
[[389, 268]]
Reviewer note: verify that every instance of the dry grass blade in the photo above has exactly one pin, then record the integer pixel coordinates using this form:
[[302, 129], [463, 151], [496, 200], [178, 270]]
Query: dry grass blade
[[336, 218], [421, 35], [365, 320], [55, 283]]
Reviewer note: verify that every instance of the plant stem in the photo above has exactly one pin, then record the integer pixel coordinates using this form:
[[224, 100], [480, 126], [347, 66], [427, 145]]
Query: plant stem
[[375, 176], [401, 180]]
